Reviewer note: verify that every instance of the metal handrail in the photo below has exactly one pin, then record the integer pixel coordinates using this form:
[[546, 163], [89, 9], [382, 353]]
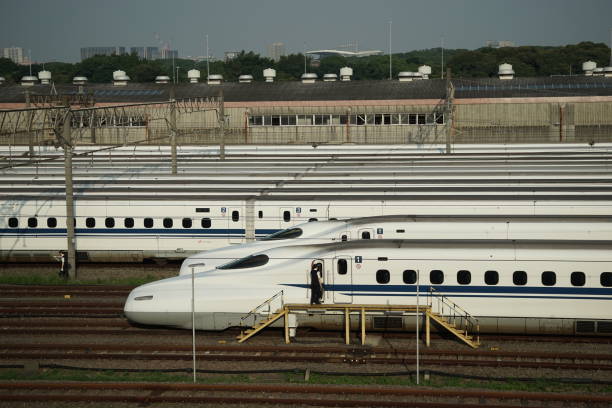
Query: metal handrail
[[456, 312], [264, 303]]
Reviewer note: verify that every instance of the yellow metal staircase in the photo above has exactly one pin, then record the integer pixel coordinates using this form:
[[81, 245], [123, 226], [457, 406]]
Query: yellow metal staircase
[[247, 334], [264, 308], [453, 318]]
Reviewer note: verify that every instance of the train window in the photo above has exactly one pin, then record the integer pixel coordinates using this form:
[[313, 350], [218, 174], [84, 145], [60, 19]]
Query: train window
[[436, 277], [464, 277], [148, 222], [365, 235], [128, 223], [383, 258], [52, 222], [383, 276], [32, 222], [288, 233], [491, 277], [109, 222], [251, 261], [90, 222], [409, 276], [342, 267], [549, 278], [202, 210], [606, 279], [13, 222], [206, 223], [235, 215], [260, 214], [344, 237], [313, 210], [519, 278], [286, 216], [187, 223], [168, 222], [400, 231], [577, 278]]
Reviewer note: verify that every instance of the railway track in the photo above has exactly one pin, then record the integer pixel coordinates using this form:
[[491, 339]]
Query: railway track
[[286, 395], [302, 354]]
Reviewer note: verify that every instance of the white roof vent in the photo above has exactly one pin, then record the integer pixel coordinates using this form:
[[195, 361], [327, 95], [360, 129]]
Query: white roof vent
[[505, 71], [121, 80], [215, 79], [607, 71], [598, 71], [45, 77], [346, 73], [79, 80], [193, 75], [162, 79], [425, 71], [117, 74], [309, 78], [245, 79], [330, 78], [28, 80], [407, 76], [269, 74], [588, 67]]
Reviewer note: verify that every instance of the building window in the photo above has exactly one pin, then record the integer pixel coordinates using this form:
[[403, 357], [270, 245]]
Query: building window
[[52, 222], [578, 278], [491, 277], [13, 222], [32, 222], [286, 216], [464, 277], [321, 120], [342, 267], [519, 278], [606, 279], [255, 120], [436, 277], [549, 278], [383, 276], [206, 223], [168, 223], [109, 222], [148, 222], [235, 215], [187, 223], [128, 223], [409, 276], [90, 222]]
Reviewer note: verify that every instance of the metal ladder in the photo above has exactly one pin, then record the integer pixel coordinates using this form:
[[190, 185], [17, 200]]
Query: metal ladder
[[264, 308], [453, 318]]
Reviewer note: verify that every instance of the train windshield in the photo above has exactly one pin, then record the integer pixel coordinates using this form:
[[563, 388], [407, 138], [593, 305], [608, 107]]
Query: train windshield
[[251, 261], [288, 233]]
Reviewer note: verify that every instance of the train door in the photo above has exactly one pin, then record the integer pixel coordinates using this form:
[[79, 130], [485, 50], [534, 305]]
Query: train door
[[285, 217], [343, 279], [235, 232], [365, 233]]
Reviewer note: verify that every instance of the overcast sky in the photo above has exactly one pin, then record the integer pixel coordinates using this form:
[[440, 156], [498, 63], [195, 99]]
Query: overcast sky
[[55, 30]]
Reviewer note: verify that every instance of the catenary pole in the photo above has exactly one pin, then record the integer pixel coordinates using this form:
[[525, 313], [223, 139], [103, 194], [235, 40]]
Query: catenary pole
[[71, 244]]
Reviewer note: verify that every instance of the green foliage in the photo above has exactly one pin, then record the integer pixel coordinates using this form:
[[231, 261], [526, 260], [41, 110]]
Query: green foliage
[[527, 61]]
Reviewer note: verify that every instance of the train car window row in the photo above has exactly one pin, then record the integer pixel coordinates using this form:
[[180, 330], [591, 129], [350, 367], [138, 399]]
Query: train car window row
[[464, 277], [109, 222], [360, 119]]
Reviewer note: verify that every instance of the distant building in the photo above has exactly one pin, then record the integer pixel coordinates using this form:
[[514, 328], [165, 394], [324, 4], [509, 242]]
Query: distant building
[[276, 50], [15, 54], [88, 52], [146, 53], [343, 53], [500, 44], [230, 55], [168, 54]]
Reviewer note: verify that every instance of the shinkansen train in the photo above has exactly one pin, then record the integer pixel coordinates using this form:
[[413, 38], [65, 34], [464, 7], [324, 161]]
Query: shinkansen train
[[424, 227], [132, 228], [509, 286]]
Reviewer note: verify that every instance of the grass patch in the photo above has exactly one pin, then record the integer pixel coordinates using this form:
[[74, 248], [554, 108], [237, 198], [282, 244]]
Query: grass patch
[[56, 280]]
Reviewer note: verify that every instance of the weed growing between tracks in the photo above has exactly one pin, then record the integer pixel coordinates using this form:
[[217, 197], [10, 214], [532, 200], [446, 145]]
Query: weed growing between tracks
[[410, 381]]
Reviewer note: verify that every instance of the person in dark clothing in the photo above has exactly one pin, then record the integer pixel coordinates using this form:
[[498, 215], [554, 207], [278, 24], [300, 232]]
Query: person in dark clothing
[[316, 285], [62, 257]]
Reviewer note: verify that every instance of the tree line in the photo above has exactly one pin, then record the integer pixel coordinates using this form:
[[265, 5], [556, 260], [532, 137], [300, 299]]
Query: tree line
[[527, 61]]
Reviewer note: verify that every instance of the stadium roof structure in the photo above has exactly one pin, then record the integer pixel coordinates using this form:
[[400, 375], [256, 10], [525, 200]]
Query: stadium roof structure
[[342, 53]]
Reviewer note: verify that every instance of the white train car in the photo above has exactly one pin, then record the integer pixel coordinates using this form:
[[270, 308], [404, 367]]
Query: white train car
[[538, 287], [423, 227], [133, 228]]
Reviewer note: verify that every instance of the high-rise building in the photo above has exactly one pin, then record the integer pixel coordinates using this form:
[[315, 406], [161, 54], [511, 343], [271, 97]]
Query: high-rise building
[[15, 54], [147, 53], [88, 52], [168, 54], [499, 44], [276, 50]]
